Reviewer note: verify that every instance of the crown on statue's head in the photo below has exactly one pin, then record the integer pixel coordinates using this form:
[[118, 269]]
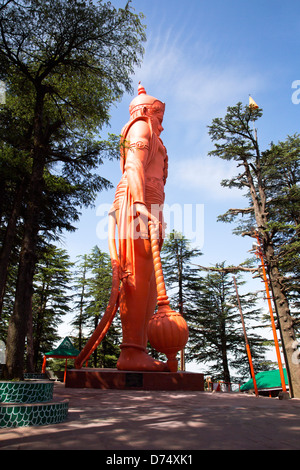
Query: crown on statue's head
[[141, 89], [144, 103]]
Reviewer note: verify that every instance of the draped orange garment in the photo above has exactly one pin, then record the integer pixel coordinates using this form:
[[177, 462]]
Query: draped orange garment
[[154, 195]]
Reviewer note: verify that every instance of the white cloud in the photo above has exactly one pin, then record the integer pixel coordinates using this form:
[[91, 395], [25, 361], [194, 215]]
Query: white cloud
[[190, 79], [197, 87], [204, 175], [205, 93]]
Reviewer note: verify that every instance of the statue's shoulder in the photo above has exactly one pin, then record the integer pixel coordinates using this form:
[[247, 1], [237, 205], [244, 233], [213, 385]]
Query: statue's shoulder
[[139, 128]]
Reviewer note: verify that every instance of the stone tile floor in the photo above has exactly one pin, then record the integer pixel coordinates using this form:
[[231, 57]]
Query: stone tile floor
[[157, 420]]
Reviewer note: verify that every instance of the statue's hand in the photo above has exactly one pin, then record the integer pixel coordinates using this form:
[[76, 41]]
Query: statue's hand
[[143, 215]]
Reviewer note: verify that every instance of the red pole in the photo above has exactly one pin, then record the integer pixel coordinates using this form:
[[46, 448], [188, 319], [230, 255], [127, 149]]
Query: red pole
[[65, 374], [44, 365], [246, 340], [259, 252]]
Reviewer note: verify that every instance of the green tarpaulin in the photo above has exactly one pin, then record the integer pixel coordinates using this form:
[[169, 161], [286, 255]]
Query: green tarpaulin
[[269, 379], [65, 349]]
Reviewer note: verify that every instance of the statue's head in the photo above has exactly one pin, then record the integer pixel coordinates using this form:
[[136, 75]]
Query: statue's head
[[145, 105]]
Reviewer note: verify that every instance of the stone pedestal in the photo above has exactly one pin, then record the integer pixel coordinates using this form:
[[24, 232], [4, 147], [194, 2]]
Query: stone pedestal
[[127, 380]]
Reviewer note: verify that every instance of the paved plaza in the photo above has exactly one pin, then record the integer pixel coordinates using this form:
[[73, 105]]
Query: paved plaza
[[157, 420]]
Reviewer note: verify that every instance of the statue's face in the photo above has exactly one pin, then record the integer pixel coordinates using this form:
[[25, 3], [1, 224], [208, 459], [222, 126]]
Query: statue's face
[[157, 120]]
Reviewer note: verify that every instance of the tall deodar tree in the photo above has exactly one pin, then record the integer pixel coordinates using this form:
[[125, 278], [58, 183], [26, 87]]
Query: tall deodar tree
[[64, 63], [268, 185]]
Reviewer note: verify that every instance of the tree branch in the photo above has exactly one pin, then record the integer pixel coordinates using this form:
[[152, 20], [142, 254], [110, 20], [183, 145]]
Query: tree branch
[[241, 211], [229, 269]]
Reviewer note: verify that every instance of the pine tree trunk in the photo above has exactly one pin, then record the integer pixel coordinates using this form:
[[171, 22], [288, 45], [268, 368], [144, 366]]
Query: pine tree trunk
[[29, 349], [81, 307], [285, 321], [9, 240], [226, 373], [286, 327], [18, 324]]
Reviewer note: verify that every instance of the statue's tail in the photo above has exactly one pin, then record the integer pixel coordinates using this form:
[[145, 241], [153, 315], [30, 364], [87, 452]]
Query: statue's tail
[[113, 303]]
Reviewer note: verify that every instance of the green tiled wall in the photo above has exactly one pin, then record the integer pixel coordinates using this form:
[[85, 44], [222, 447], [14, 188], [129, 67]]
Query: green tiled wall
[[29, 403], [32, 414], [25, 392]]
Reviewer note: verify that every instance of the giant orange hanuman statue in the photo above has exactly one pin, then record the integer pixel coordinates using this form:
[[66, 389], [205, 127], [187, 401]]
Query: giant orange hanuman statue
[[139, 199]]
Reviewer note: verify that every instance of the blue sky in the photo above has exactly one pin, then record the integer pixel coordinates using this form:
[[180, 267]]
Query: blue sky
[[200, 57]]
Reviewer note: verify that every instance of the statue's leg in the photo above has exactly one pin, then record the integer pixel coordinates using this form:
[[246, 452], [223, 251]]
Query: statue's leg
[[151, 304], [136, 307]]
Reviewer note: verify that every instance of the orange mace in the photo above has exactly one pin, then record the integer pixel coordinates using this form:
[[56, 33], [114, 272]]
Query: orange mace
[[167, 330]]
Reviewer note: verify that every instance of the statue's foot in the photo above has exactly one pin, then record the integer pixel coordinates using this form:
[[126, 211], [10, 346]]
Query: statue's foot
[[135, 358]]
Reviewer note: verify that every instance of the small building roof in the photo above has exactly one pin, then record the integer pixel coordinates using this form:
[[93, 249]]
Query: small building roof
[[65, 349]]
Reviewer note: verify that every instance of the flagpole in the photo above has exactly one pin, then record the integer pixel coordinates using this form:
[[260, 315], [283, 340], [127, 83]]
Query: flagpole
[[253, 105]]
